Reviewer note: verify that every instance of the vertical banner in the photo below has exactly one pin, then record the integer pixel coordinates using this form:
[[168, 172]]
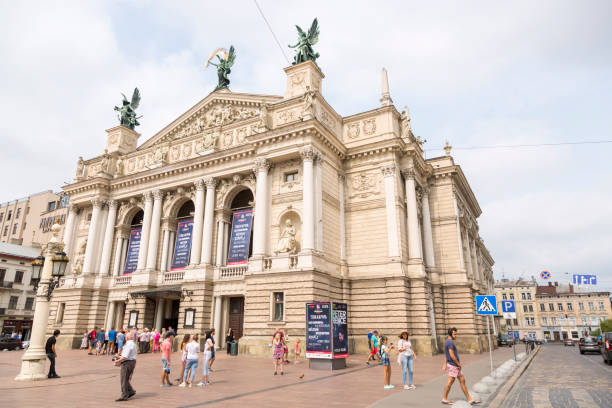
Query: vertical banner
[[131, 260], [182, 247], [318, 330], [241, 237], [340, 330]]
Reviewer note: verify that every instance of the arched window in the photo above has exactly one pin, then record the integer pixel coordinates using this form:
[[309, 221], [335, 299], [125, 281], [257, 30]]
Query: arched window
[[240, 238], [184, 231], [133, 248]]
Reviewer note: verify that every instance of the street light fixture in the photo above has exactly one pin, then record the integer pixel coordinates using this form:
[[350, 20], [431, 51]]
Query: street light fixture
[[37, 266]]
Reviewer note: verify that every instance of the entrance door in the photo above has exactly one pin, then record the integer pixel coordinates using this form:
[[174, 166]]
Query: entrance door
[[172, 320], [564, 335], [236, 315], [557, 336]]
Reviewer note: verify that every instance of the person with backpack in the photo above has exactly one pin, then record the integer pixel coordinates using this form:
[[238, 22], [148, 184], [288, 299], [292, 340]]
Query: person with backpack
[[92, 341], [373, 345]]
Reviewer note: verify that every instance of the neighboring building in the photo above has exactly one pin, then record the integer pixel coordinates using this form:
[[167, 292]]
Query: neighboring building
[[566, 313], [346, 209], [527, 323], [27, 221], [17, 297]]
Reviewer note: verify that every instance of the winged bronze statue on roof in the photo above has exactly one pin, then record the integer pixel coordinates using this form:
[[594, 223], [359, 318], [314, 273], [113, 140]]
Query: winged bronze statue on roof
[[226, 60], [303, 49], [127, 111]]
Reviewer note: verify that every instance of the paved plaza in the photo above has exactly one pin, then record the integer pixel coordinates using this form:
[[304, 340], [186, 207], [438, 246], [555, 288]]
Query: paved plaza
[[237, 382]]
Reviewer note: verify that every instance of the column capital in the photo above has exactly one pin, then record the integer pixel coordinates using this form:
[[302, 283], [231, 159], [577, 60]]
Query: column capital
[[148, 195], [210, 182], [341, 178], [409, 173], [388, 170], [199, 184], [112, 204], [97, 203], [73, 208], [158, 195], [425, 191], [308, 153], [261, 164]]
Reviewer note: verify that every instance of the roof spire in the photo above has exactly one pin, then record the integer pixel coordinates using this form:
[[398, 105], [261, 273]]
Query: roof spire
[[385, 99]]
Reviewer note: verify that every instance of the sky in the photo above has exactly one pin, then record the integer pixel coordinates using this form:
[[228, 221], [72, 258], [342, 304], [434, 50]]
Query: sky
[[479, 74]]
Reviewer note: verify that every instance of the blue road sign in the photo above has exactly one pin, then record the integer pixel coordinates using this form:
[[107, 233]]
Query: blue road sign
[[508, 306], [486, 305], [585, 279]]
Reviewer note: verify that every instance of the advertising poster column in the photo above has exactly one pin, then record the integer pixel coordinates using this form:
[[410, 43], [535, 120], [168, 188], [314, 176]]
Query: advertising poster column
[[326, 335]]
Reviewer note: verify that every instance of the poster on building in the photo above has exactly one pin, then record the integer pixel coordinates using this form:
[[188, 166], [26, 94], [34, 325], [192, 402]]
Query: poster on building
[[318, 330], [131, 260], [182, 247], [241, 237], [340, 330]]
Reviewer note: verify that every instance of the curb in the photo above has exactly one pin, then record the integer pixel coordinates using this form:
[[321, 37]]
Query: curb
[[503, 392]]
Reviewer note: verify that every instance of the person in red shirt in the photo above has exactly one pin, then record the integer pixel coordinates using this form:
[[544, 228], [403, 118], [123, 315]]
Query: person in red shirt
[[166, 350], [92, 341]]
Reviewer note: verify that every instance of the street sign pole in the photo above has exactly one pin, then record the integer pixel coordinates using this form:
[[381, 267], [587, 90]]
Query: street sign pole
[[490, 349]]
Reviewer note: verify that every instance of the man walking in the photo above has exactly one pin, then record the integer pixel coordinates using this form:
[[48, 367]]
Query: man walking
[[51, 354], [112, 337], [127, 362], [166, 350], [452, 366]]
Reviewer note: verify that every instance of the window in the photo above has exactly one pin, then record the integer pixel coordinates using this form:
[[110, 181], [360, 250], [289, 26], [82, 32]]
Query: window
[[8, 216], [526, 321], [584, 320], [51, 206], [532, 335], [561, 319], [504, 296], [591, 307], [528, 296], [1, 216], [544, 321], [289, 177], [5, 231], [18, 276], [29, 303], [531, 308], [594, 320], [278, 305], [551, 307], [512, 296], [523, 296], [560, 306], [508, 322], [601, 305], [542, 307], [15, 228], [570, 307], [18, 213], [515, 321], [60, 313], [572, 320], [553, 320], [525, 308], [13, 303], [2, 275], [581, 306], [89, 219]]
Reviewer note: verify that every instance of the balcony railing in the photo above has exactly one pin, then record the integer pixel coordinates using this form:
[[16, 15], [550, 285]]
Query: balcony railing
[[123, 280], [233, 271], [174, 276], [7, 285]]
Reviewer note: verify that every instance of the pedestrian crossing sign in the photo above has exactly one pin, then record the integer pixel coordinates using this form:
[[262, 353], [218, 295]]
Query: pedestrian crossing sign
[[486, 305]]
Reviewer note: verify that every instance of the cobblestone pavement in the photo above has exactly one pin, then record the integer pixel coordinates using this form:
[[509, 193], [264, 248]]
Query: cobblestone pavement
[[236, 382], [560, 377]]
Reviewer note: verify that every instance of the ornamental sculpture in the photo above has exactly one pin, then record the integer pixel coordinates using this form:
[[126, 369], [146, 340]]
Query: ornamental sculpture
[[303, 48], [287, 242], [226, 60], [127, 111]]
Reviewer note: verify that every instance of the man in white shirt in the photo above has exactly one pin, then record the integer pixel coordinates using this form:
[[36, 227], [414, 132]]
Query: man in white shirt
[[127, 363]]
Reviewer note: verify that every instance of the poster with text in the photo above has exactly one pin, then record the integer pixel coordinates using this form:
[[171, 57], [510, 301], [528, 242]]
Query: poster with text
[[340, 330], [182, 247], [238, 252], [131, 260], [318, 330]]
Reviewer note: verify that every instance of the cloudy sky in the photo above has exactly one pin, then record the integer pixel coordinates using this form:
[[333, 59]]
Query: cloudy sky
[[481, 74]]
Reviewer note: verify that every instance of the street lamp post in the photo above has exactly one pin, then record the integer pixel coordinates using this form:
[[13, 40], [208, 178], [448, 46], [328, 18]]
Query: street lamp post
[[46, 272]]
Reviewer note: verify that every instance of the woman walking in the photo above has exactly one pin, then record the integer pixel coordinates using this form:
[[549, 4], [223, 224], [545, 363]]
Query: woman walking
[[208, 347], [193, 350], [406, 359], [184, 343], [210, 335], [229, 339], [120, 341], [277, 352], [156, 336]]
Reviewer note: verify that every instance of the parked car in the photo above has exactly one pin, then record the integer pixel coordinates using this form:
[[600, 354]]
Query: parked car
[[606, 350], [568, 342], [10, 344], [588, 344], [504, 340]]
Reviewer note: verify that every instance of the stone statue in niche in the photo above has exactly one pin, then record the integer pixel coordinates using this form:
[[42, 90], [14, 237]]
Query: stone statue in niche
[[119, 167], [287, 242], [80, 167]]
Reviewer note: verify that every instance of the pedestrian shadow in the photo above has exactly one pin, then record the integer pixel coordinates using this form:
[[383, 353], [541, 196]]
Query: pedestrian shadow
[[144, 395]]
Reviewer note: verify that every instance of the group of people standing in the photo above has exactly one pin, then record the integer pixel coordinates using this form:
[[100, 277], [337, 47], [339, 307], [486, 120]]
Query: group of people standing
[[190, 355], [100, 342], [380, 349], [280, 350]]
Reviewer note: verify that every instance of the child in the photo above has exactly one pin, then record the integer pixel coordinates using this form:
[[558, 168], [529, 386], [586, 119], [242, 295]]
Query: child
[[85, 341], [373, 347], [277, 349], [166, 349], [297, 351], [385, 362], [285, 347]]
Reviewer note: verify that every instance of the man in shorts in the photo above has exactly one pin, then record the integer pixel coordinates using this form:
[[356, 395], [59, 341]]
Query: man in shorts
[[452, 366], [166, 350]]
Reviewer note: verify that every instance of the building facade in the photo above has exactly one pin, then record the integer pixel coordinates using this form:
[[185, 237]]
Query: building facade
[[247, 207], [527, 323], [27, 221], [565, 313], [17, 297]]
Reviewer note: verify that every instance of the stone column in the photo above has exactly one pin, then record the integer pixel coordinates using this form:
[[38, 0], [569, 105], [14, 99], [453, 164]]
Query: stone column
[[171, 244], [124, 246], [120, 313], [388, 172], [198, 223], [118, 255], [209, 214], [227, 227], [430, 261], [69, 230], [458, 216], [110, 317], [308, 195], [94, 226], [146, 229], [475, 263], [319, 201], [261, 207], [107, 247], [220, 240], [164, 259], [468, 252], [414, 233], [217, 320], [341, 181], [154, 235], [159, 314]]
